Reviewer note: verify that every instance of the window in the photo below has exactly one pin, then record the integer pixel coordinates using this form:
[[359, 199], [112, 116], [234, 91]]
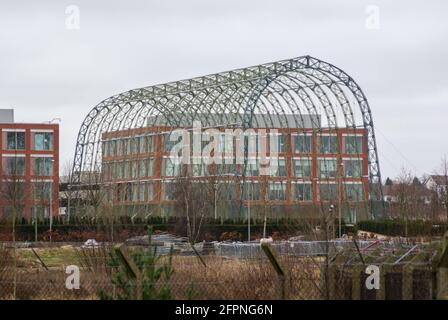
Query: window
[[328, 168], [43, 141], [225, 145], [354, 191], [135, 192], [251, 140], [353, 168], [150, 191], [170, 189], [252, 168], [141, 192], [150, 167], [127, 146], [134, 169], [328, 192], [303, 143], [279, 170], [120, 147], [353, 144], [105, 148], [329, 144], [15, 140], [150, 143], [127, 169], [277, 142], [128, 192], [43, 166], [135, 145], [142, 170], [303, 168], [170, 141], [171, 169], [226, 169], [277, 191], [109, 172], [227, 191], [251, 191], [303, 192], [111, 149], [142, 144], [42, 190], [15, 166], [282, 143], [120, 170], [199, 170]]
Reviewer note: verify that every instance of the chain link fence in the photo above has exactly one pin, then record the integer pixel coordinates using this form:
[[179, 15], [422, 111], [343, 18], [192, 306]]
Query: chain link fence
[[315, 270]]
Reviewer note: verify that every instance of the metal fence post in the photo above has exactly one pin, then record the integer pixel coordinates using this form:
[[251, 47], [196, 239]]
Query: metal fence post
[[281, 272]]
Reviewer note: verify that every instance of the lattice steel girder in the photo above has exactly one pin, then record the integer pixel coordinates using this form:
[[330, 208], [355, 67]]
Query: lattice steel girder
[[273, 88]]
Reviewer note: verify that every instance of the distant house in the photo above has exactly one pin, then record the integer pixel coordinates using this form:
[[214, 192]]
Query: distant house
[[393, 189], [438, 183]]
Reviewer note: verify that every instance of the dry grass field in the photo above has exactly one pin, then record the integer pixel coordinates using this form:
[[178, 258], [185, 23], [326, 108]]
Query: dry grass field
[[219, 278]]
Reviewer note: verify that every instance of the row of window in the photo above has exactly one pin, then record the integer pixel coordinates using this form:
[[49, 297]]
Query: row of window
[[301, 168], [40, 190], [144, 191], [127, 146], [300, 144], [16, 140], [41, 166]]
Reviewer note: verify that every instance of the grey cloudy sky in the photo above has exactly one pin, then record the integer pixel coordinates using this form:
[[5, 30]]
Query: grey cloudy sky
[[48, 71]]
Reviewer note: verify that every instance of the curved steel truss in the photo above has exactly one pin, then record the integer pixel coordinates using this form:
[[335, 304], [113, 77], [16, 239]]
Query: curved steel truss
[[300, 86]]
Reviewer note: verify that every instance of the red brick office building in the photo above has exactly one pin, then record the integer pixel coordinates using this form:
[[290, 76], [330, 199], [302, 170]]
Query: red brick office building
[[314, 167], [29, 169]]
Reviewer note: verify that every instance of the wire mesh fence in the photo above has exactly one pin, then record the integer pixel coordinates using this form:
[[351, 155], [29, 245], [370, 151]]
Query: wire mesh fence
[[315, 270]]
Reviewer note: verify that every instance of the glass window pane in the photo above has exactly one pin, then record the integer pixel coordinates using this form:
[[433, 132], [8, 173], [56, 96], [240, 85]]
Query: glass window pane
[[353, 144], [150, 167], [277, 191], [304, 191], [328, 168], [15, 140], [134, 169], [142, 144], [303, 144], [142, 169], [354, 192], [43, 141], [303, 168], [169, 191], [150, 191], [127, 169], [278, 168], [353, 168], [15, 166], [171, 169], [43, 166], [329, 144], [251, 191], [328, 192]]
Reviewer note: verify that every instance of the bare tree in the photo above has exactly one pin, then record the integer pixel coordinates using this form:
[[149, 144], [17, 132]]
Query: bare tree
[[192, 199], [13, 195], [442, 185]]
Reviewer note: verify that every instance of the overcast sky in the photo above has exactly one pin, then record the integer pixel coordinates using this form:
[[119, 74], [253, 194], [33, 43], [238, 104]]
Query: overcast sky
[[48, 70]]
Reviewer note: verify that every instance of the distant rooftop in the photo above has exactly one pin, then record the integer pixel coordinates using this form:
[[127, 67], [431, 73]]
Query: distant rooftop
[[221, 119], [6, 115]]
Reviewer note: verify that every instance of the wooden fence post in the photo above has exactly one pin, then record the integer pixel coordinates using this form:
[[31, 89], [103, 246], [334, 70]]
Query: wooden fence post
[[442, 271], [131, 269], [281, 272]]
